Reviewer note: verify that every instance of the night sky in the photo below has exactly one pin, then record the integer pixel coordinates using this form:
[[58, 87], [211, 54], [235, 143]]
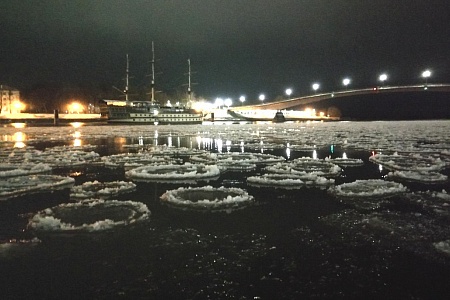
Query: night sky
[[236, 47]]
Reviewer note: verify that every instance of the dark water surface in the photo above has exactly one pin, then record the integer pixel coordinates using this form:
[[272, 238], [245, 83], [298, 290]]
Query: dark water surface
[[293, 244]]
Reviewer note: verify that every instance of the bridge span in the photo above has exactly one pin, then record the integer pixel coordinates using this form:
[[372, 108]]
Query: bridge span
[[295, 102]]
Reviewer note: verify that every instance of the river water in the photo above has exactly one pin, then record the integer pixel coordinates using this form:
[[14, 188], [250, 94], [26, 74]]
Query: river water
[[292, 244]]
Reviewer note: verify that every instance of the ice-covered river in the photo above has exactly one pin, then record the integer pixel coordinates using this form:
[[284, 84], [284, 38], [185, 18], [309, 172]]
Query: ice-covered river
[[251, 211]]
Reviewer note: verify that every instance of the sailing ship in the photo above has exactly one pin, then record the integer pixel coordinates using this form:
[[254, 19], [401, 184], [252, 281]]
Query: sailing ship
[[150, 111]]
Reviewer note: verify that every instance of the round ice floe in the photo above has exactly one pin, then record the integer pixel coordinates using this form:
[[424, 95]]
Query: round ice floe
[[408, 162], [133, 160], [236, 157], [11, 170], [371, 188], [174, 172], [302, 166], [174, 151], [418, 176], [102, 190], [208, 198], [346, 162], [23, 185], [443, 246], [89, 216], [290, 181]]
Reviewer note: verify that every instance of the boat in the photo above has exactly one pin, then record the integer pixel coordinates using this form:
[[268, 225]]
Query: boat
[[129, 111]]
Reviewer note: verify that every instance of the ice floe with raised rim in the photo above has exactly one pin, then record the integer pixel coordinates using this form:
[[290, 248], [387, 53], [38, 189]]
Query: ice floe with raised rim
[[29, 184], [12, 170], [305, 165], [367, 194], [133, 160], [414, 162], [89, 216], [418, 176], [443, 246], [208, 198], [290, 181], [235, 161], [370, 188], [103, 190], [174, 173]]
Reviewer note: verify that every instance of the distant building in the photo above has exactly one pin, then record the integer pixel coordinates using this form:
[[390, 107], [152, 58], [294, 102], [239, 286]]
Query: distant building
[[10, 100]]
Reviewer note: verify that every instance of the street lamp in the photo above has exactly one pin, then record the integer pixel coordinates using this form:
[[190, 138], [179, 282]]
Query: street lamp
[[228, 102], [219, 102], [426, 74], [289, 93], [382, 78], [346, 81], [315, 86], [242, 99], [262, 97]]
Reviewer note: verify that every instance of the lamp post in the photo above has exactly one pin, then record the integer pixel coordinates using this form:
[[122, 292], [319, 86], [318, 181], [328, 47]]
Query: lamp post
[[262, 97], [383, 77], [426, 74], [346, 82], [228, 102], [242, 99], [289, 93], [315, 86]]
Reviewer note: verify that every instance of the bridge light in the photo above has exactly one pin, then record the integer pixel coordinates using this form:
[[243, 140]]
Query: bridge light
[[262, 97], [289, 93], [315, 86], [219, 102], [426, 74], [242, 99], [228, 102], [382, 78], [346, 81]]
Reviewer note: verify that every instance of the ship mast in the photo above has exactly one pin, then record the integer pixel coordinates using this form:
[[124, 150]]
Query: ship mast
[[189, 82], [127, 79], [153, 72]]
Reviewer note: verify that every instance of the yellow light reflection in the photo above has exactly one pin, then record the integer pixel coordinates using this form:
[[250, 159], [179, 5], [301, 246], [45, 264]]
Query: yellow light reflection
[[77, 143], [76, 124], [18, 125]]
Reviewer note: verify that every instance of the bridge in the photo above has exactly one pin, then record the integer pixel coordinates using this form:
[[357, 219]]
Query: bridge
[[300, 101]]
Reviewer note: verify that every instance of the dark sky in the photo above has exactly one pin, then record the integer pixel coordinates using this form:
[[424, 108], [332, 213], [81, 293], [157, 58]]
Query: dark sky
[[236, 47]]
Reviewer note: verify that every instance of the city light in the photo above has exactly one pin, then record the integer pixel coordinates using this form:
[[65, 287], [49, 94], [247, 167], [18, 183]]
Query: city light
[[242, 99], [426, 74], [315, 86], [228, 102], [75, 108], [219, 102], [262, 97], [289, 93], [383, 78], [346, 81]]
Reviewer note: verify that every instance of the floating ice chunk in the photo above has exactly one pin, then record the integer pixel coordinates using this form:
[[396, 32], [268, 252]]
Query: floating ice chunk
[[23, 185], [208, 198], [290, 181], [418, 176], [306, 165], [174, 151], [443, 246], [237, 157], [102, 190], [11, 170], [346, 162], [174, 172], [89, 216], [133, 160], [408, 162], [367, 194]]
